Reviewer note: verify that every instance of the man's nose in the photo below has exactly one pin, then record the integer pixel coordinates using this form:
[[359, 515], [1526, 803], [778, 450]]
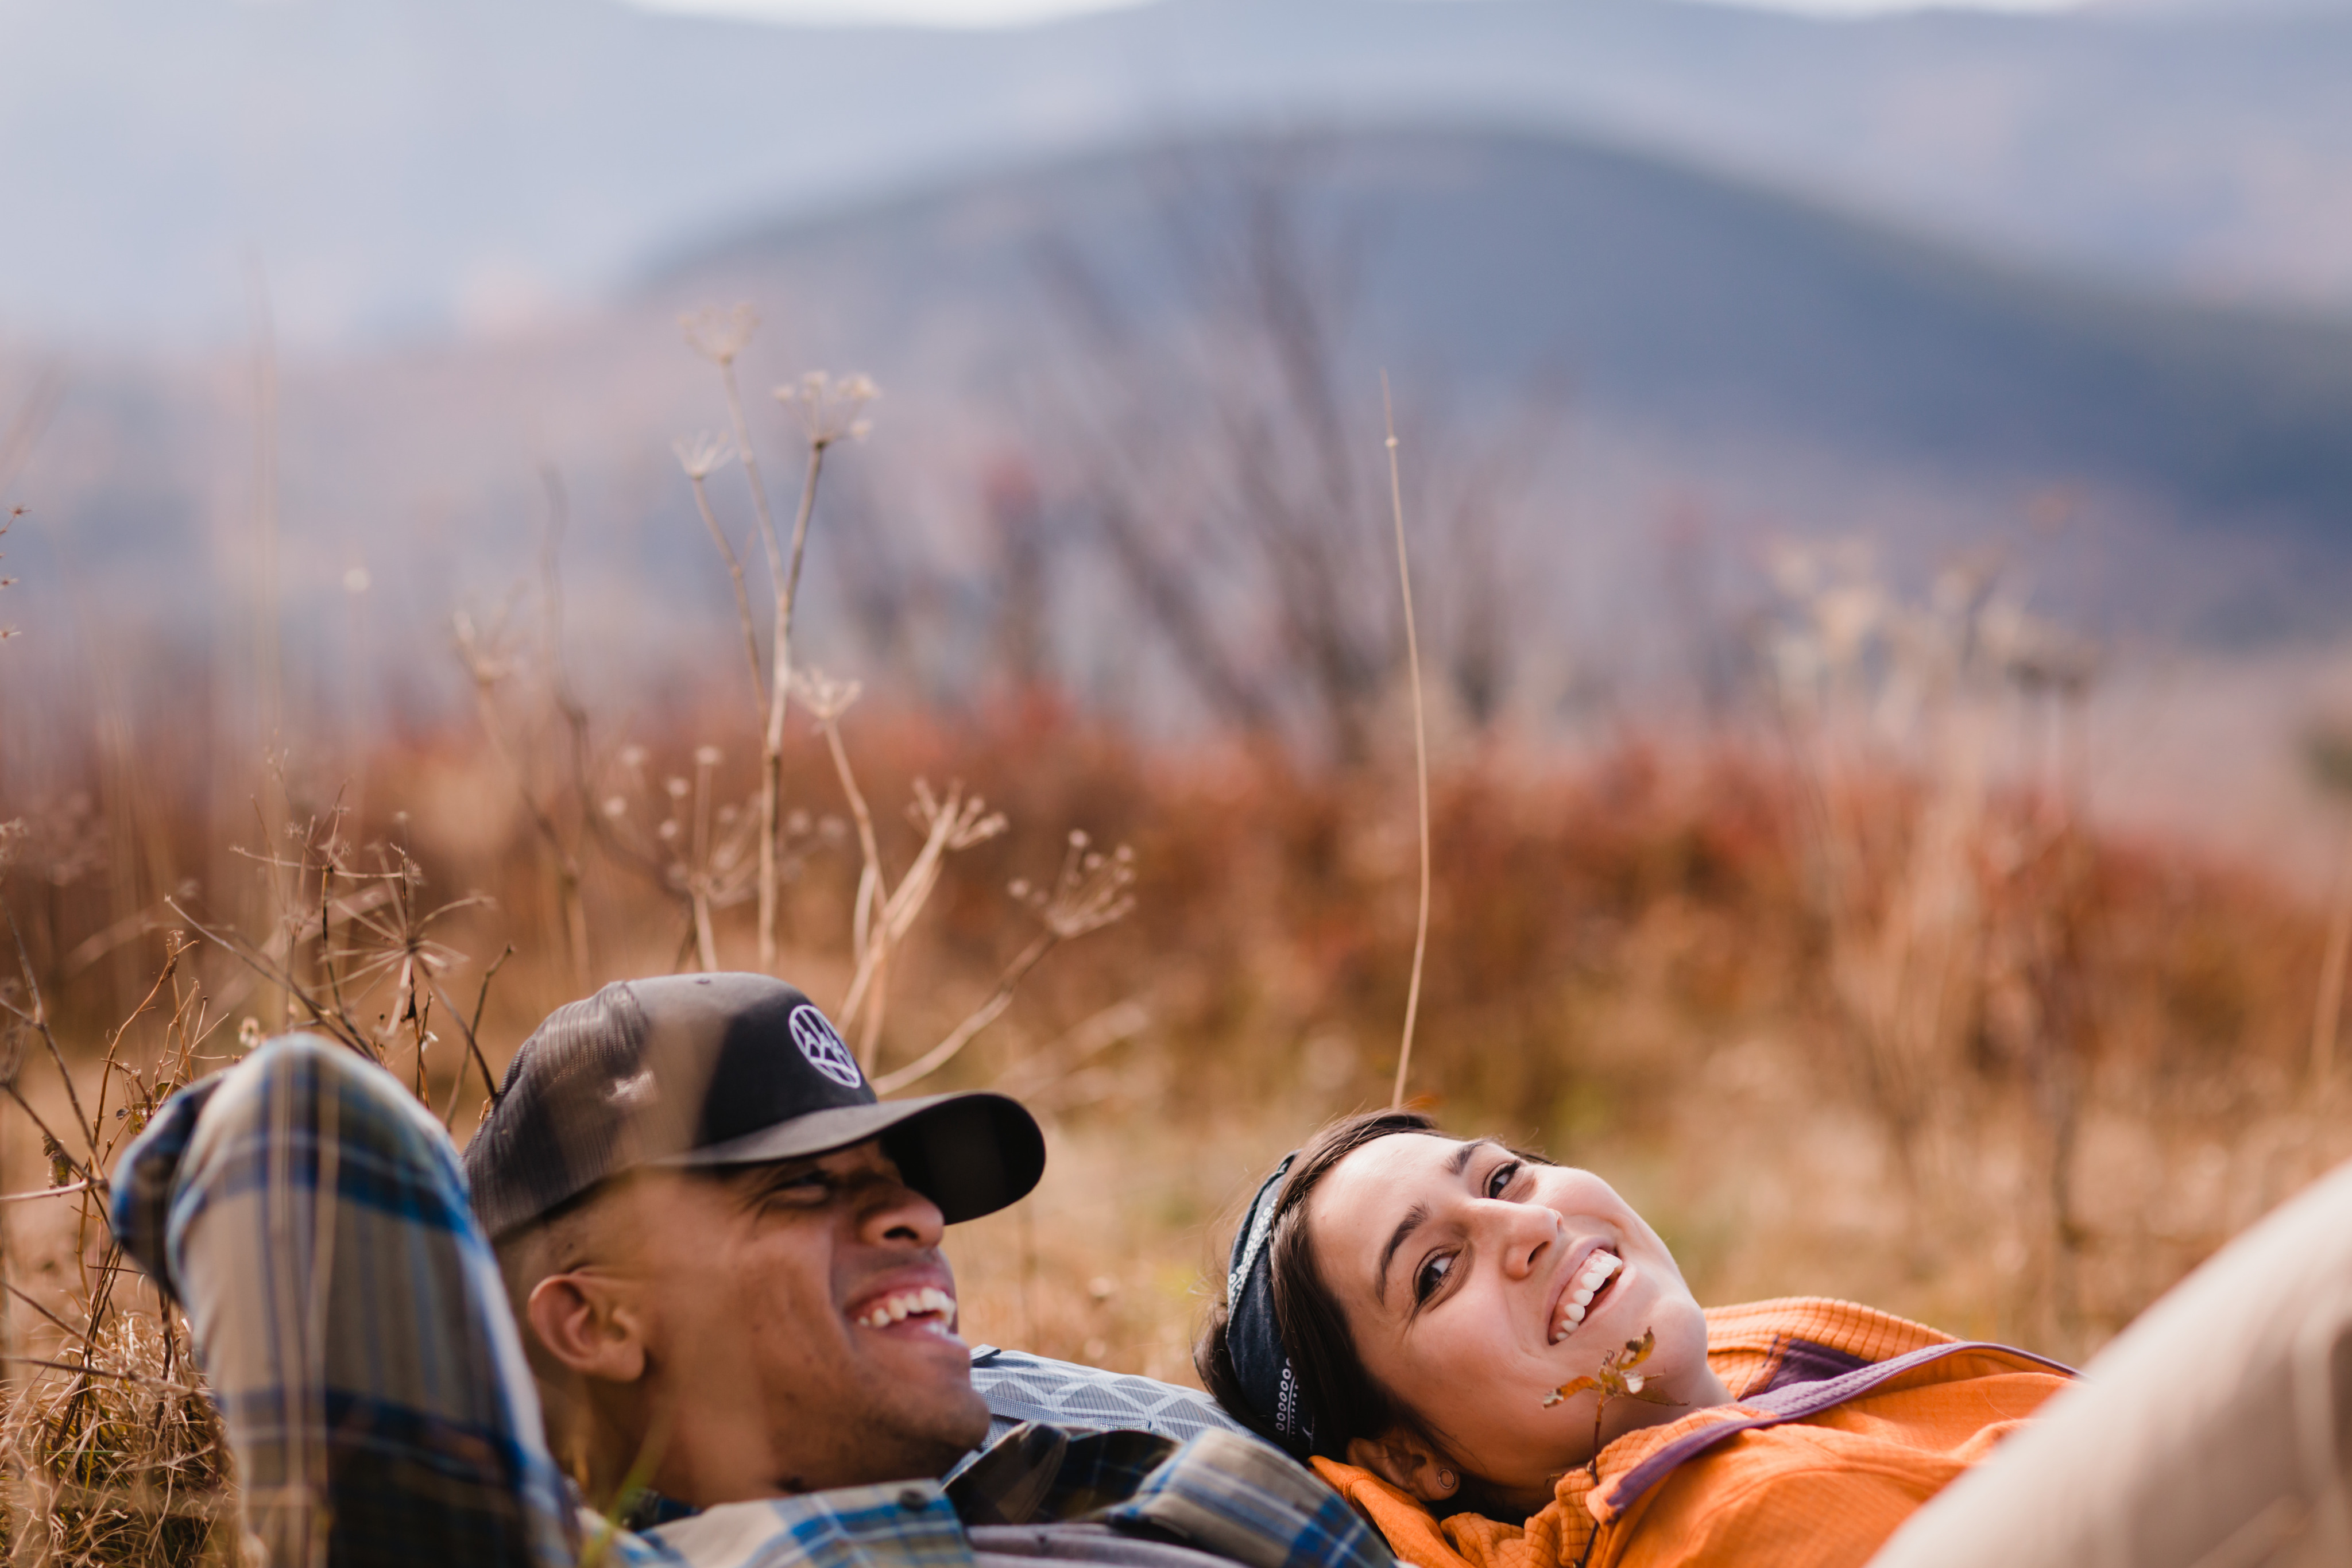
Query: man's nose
[[892, 1214]]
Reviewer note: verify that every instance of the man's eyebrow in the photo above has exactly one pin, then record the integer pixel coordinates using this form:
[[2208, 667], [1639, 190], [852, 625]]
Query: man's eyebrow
[[1413, 1219], [767, 1176]]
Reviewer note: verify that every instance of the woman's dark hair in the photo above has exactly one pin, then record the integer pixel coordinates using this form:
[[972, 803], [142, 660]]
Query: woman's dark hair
[[1341, 1399]]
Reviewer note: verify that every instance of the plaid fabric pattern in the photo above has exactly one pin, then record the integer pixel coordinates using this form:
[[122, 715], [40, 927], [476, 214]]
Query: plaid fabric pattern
[[1038, 1472], [314, 1220], [907, 1525], [1022, 1388], [1235, 1496], [1241, 1498], [312, 1217]]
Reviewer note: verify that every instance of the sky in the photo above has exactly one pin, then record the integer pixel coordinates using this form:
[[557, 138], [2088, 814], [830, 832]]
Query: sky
[[1011, 13]]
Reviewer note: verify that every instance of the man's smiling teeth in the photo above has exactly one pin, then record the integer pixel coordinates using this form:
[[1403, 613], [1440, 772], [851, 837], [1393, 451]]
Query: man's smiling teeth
[[905, 1304], [1597, 1274]]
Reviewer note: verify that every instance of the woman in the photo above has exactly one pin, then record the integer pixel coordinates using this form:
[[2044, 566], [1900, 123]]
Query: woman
[[1497, 1359]]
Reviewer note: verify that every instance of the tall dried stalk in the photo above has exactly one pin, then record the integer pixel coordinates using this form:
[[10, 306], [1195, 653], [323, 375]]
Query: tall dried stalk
[[829, 410], [1091, 892], [883, 914], [487, 665], [1419, 749], [268, 666], [2328, 754], [2327, 1012]]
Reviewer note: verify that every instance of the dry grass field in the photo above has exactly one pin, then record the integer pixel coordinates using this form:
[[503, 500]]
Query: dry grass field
[[1843, 1007]]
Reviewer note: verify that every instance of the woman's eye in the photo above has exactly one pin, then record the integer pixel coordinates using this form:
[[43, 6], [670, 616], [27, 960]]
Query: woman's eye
[[1433, 1274], [1505, 1174]]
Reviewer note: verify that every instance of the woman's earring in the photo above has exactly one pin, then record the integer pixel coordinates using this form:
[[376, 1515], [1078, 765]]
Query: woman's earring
[[1446, 1480]]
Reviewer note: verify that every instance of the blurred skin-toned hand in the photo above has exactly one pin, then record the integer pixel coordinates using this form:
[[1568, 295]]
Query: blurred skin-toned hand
[[764, 1331], [1457, 1265]]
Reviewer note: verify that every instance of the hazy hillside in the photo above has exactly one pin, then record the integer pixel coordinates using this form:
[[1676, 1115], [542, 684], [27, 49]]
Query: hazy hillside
[[1713, 350], [1665, 296], [397, 166]]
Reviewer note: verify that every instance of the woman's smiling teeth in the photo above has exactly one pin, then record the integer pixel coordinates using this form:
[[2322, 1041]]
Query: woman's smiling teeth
[[897, 1307], [1598, 1270]]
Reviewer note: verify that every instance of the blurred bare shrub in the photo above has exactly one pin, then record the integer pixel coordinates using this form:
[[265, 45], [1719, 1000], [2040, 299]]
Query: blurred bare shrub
[[1226, 478], [1955, 909]]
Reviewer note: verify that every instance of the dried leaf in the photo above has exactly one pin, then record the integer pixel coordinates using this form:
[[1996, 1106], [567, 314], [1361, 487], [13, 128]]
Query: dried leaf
[[1570, 1391]]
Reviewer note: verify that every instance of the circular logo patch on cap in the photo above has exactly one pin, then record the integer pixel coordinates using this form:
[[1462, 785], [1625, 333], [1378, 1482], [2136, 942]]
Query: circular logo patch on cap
[[813, 1033]]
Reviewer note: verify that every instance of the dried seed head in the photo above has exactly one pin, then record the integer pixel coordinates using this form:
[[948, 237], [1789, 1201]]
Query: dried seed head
[[824, 696], [717, 336], [707, 756], [830, 409], [701, 455]]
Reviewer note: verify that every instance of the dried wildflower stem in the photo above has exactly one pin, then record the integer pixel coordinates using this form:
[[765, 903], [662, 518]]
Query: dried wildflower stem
[[987, 1013], [45, 1192], [56, 1143], [473, 1052], [569, 874], [872, 894], [1420, 748], [1091, 892], [82, 1334], [698, 883], [735, 575], [2327, 1016], [771, 772], [92, 1372], [39, 1019], [956, 824], [343, 1030]]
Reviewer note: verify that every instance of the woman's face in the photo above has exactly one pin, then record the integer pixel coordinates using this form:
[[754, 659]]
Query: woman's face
[[1460, 1266]]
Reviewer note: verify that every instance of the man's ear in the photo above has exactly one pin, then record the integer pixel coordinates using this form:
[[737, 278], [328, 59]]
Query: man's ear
[[1407, 1463], [591, 1324]]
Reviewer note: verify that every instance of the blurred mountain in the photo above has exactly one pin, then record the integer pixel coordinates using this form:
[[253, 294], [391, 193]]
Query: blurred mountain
[[1711, 350], [1666, 297], [390, 167]]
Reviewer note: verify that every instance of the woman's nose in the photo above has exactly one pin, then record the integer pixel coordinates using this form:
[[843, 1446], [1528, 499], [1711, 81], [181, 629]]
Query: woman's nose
[[1522, 1232]]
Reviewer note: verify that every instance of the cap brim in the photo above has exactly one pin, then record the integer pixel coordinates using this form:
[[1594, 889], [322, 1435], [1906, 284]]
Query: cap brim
[[972, 1154]]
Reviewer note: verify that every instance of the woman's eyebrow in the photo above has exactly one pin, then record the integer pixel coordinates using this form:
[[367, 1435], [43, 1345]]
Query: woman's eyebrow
[[1413, 1219], [1417, 1214], [1459, 1161]]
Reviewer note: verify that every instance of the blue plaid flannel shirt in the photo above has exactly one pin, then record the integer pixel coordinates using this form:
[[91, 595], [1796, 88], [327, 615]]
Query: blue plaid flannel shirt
[[312, 1219]]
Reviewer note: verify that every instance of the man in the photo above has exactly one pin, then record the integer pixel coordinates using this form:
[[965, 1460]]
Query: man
[[723, 1250]]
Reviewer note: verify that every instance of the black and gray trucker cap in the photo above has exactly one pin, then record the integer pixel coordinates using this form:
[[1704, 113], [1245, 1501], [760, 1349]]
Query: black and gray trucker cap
[[722, 1070]]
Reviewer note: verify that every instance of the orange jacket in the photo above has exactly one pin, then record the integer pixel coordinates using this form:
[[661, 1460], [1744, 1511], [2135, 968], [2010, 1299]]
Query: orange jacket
[[1821, 1490]]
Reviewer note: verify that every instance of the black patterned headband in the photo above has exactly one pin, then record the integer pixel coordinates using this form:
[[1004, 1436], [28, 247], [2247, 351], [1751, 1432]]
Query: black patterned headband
[[1253, 1337]]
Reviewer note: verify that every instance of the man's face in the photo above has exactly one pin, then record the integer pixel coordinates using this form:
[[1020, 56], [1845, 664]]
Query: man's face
[[800, 1328]]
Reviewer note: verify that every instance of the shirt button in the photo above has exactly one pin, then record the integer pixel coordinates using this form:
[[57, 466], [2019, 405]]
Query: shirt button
[[913, 1500]]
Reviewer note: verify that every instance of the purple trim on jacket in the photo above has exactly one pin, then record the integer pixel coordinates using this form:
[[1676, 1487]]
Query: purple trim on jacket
[[1787, 1401]]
